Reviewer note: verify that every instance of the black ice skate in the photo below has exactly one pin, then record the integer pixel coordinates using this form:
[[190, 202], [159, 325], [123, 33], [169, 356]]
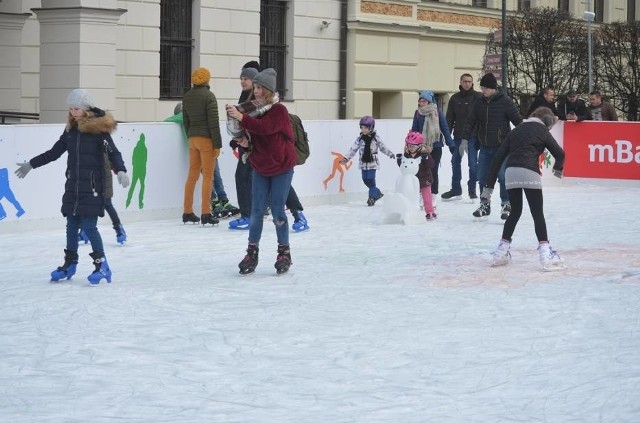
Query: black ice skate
[[283, 261], [209, 219], [250, 261], [506, 211], [372, 200], [483, 211], [190, 217]]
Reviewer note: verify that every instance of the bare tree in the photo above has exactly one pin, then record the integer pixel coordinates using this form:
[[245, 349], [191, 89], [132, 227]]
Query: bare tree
[[546, 48], [618, 65]]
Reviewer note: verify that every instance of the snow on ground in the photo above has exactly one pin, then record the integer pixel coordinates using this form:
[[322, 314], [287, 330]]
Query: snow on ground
[[374, 323]]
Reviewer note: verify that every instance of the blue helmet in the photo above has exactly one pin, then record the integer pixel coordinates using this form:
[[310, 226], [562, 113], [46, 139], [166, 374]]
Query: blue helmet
[[368, 121]]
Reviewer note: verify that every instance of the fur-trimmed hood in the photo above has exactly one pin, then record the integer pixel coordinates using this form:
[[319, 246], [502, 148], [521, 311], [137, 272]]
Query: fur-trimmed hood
[[93, 124]]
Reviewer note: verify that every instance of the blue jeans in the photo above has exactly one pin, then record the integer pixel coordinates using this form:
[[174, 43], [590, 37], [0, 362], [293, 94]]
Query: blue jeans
[[89, 226], [456, 168], [369, 179], [484, 163], [218, 187], [277, 189]]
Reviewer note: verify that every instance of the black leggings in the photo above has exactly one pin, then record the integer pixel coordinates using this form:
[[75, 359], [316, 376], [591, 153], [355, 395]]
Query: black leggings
[[534, 198]]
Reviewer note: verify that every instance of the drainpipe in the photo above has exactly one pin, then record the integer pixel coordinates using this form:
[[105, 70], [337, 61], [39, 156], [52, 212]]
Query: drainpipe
[[342, 83]]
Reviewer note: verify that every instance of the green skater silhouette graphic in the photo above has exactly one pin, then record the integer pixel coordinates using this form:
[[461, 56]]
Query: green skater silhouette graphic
[[139, 162]]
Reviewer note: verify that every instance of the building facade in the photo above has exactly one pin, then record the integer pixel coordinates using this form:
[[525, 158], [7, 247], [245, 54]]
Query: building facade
[[335, 58]]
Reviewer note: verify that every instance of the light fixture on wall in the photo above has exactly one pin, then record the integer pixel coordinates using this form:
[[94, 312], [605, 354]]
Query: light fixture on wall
[[324, 24]]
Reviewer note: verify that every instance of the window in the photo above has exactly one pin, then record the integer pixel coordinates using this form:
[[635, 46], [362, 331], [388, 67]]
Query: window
[[479, 3], [273, 40], [598, 9], [175, 48], [631, 10], [563, 5], [524, 5]]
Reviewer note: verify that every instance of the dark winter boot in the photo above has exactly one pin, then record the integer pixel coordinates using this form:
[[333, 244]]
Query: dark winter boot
[[68, 269], [283, 261], [102, 269], [250, 261], [121, 235], [190, 217], [209, 219]]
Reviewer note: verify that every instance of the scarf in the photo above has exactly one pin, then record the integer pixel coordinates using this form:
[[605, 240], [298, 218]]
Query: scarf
[[367, 157], [431, 128], [254, 108]]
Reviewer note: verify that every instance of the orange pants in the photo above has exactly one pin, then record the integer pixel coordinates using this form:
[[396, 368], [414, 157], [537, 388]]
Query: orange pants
[[202, 158]]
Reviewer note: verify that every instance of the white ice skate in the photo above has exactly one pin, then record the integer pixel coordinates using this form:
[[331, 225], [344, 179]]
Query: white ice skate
[[501, 256], [549, 258]]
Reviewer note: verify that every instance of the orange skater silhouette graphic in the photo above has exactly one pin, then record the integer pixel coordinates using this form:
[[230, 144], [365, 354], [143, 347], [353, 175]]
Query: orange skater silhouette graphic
[[337, 167]]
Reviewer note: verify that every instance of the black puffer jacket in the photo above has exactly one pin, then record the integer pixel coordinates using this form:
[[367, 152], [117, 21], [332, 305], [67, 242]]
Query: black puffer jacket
[[491, 116], [85, 144], [523, 148], [459, 108]]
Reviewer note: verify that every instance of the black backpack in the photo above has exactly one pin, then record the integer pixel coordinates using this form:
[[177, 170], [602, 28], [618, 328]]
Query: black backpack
[[300, 139]]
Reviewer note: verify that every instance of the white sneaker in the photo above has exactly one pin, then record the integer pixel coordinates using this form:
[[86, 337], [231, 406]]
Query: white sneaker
[[502, 256], [549, 258]]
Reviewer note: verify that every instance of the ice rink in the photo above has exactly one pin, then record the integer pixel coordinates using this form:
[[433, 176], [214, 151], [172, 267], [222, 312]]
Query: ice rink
[[374, 323]]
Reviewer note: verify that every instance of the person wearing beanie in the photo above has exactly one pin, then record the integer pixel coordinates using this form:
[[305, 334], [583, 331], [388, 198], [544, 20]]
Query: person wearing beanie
[[86, 139], [489, 81], [457, 111], [490, 119], [202, 125], [244, 172], [200, 76], [267, 79], [573, 108], [273, 157], [430, 121]]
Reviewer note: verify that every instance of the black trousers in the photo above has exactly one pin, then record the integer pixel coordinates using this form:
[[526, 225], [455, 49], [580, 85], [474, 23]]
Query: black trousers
[[534, 198], [244, 178]]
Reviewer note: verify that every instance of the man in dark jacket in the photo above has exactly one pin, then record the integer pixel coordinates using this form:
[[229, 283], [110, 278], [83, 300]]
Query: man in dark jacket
[[491, 116], [572, 108], [459, 106], [546, 99]]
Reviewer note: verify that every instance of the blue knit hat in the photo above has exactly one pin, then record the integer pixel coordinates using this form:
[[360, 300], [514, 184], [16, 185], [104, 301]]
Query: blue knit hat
[[427, 95]]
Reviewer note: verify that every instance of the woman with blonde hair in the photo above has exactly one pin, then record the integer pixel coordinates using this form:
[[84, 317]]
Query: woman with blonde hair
[[271, 153]]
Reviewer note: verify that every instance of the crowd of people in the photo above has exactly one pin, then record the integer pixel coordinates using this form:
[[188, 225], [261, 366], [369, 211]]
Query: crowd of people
[[476, 124]]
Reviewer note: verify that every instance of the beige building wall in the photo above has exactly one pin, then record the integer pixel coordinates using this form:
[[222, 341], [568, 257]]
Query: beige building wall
[[394, 50]]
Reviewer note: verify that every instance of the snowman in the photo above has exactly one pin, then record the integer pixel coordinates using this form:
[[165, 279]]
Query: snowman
[[402, 206]]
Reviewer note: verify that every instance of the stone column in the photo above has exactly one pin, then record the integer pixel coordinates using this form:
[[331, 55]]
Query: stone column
[[77, 50], [10, 65]]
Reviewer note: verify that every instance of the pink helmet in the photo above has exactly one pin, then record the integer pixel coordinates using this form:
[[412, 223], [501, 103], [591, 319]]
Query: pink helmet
[[414, 138]]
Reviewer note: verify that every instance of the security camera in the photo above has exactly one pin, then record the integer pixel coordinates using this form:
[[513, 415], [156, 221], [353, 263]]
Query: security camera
[[589, 16]]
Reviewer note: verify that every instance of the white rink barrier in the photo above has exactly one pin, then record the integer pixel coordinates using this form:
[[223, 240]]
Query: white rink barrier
[[166, 164]]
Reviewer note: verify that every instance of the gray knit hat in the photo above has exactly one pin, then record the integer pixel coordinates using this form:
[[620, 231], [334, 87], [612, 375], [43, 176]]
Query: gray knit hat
[[249, 73], [80, 98], [266, 78]]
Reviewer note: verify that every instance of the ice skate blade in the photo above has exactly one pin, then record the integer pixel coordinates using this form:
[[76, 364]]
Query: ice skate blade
[[500, 263], [456, 198], [305, 229], [480, 219]]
